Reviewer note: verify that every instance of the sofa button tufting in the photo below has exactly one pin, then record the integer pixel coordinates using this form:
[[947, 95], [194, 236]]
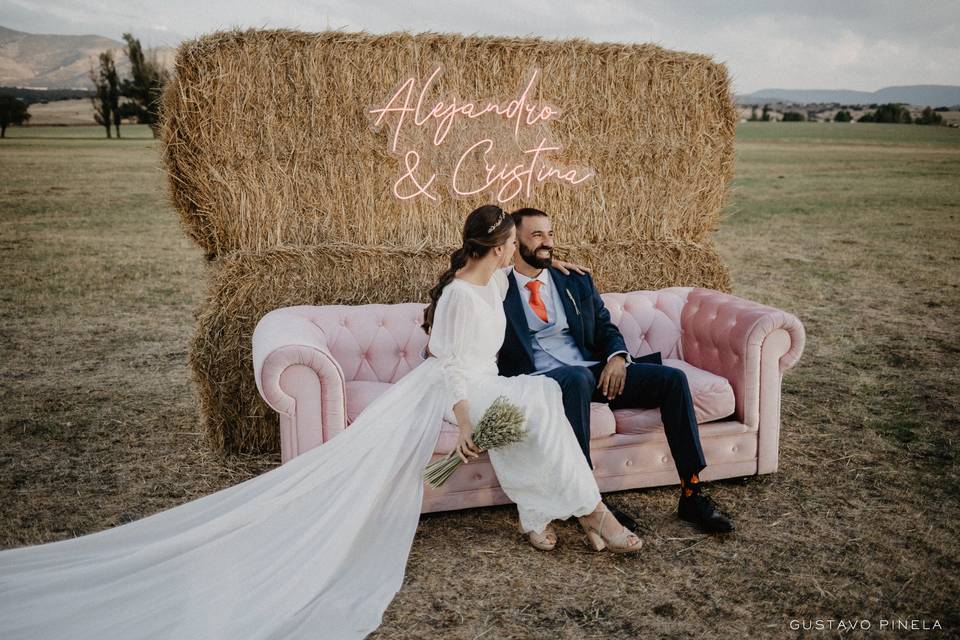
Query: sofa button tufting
[[663, 459], [629, 463], [477, 476], [734, 448]]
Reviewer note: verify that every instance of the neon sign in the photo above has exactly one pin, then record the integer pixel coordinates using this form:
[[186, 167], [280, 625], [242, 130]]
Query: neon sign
[[473, 147]]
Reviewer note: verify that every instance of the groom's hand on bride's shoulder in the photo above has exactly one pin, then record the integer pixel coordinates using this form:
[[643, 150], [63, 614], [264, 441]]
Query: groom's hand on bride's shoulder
[[566, 267]]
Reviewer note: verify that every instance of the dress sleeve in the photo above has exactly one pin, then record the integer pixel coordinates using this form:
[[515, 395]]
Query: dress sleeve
[[450, 337]]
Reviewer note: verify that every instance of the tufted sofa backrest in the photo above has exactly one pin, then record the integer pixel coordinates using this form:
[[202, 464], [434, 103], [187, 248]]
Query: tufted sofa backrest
[[383, 342], [649, 320], [373, 342]]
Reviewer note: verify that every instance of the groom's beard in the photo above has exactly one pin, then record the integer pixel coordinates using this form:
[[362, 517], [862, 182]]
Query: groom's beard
[[532, 259]]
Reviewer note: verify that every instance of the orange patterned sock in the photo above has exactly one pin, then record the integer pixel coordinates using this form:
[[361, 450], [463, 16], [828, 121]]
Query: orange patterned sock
[[691, 485]]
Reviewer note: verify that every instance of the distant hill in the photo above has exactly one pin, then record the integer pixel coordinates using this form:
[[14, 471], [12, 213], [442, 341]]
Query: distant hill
[[58, 62], [934, 95]]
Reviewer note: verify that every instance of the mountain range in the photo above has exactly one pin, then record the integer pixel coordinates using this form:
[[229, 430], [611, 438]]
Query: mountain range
[[63, 62], [57, 61], [921, 95]]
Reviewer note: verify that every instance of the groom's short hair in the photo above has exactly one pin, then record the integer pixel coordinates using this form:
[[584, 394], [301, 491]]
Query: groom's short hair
[[525, 212]]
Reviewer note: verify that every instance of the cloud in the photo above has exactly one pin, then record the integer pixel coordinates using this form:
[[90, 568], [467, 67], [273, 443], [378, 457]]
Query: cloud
[[777, 43]]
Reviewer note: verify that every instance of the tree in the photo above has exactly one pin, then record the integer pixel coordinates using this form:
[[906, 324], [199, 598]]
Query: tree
[[766, 113], [893, 112], [115, 102], [105, 98], [12, 111], [146, 85], [842, 116], [753, 113], [929, 116], [793, 116], [129, 110]]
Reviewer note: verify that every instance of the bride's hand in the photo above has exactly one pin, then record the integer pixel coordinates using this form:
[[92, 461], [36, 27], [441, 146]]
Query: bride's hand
[[466, 448], [566, 267]]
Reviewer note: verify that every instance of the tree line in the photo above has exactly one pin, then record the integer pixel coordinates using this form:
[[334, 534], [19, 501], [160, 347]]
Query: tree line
[[896, 113], [142, 90]]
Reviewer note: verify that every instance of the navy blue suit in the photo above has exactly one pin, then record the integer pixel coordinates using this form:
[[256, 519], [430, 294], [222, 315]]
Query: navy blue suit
[[648, 384]]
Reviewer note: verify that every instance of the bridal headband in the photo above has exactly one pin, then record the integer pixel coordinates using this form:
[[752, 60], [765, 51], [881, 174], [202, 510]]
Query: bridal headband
[[497, 223]]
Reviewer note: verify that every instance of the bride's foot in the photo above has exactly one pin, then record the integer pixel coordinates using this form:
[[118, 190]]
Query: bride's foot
[[544, 541], [605, 532]]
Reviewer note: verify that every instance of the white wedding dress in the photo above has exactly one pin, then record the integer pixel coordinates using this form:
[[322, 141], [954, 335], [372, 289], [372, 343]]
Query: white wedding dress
[[315, 548]]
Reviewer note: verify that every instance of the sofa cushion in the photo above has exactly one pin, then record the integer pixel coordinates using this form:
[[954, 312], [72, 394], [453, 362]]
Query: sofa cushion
[[360, 393], [713, 399]]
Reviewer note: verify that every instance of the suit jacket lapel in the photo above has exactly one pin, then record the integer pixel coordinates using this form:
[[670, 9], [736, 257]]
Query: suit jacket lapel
[[516, 318], [571, 308]]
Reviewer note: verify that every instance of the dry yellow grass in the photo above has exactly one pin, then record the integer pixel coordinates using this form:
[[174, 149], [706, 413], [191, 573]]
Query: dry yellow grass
[[853, 229], [63, 112]]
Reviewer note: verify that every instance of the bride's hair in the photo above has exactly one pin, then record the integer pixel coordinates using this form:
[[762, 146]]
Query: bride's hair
[[485, 228]]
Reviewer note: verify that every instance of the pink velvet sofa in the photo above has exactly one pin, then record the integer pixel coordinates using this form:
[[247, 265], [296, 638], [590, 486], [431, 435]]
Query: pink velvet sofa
[[319, 366]]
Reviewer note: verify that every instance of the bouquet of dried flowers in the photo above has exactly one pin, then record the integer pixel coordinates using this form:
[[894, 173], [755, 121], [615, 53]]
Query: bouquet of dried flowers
[[501, 425]]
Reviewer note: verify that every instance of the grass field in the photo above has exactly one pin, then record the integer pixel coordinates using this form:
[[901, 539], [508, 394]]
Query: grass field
[[853, 228], [63, 112]]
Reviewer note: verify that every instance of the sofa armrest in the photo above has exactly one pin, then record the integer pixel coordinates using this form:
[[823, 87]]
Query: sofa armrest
[[298, 377], [728, 336]]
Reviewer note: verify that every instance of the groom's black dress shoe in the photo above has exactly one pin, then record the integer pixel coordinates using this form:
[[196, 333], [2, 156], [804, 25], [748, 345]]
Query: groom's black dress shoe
[[700, 509]]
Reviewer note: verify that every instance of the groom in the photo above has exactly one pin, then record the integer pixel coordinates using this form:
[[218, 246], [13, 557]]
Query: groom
[[557, 326]]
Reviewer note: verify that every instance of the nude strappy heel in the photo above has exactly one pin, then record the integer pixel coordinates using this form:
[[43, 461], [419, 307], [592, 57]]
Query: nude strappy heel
[[540, 540], [618, 544]]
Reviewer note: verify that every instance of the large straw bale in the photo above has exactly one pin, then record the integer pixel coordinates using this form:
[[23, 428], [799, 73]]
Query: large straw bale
[[246, 285], [276, 172], [268, 141]]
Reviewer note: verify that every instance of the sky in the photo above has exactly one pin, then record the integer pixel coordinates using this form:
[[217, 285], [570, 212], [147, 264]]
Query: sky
[[836, 44]]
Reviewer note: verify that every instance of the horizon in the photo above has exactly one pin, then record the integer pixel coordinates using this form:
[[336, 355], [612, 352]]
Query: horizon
[[862, 46], [734, 92]]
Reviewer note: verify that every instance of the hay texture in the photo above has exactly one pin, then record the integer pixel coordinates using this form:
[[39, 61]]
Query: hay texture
[[277, 171], [268, 140]]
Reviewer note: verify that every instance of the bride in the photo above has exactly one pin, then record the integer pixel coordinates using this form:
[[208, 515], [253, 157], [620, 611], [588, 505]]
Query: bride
[[318, 546]]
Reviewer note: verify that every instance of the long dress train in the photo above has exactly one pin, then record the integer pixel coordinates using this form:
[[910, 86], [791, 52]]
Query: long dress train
[[317, 547]]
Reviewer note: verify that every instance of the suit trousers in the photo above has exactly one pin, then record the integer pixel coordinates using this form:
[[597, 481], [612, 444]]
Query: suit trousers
[[647, 386]]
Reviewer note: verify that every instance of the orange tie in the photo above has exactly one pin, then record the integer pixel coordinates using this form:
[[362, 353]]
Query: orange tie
[[536, 302]]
